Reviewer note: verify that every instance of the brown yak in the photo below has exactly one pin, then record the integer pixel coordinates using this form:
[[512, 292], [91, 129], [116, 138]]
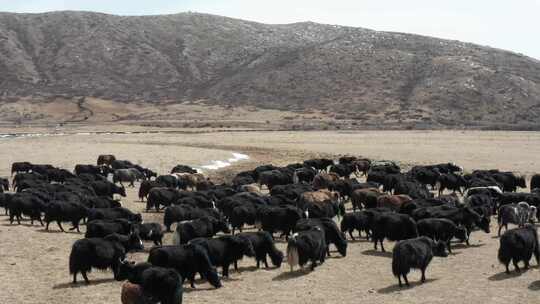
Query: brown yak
[[393, 202], [324, 180], [366, 197]]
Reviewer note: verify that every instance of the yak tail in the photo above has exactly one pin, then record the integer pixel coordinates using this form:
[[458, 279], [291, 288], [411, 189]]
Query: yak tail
[[396, 262], [503, 255], [73, 262], [77, 260], [141, 193], [536, 250], [293, 258]]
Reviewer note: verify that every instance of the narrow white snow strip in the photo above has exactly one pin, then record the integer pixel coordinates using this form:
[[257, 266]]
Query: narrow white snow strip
[[218, 164]]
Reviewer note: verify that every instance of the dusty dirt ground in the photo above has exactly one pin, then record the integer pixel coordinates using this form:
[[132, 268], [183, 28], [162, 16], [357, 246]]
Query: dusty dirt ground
[[33, 263]]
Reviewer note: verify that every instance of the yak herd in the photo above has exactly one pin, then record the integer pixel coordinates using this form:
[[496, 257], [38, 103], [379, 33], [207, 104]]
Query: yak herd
[[306, 204]]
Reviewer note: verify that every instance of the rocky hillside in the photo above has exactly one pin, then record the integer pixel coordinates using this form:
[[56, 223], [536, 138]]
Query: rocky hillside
[[370, 77]]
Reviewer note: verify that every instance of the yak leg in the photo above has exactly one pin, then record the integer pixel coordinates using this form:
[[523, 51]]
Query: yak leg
[[192, 281], [265, 262], [226, 270], [75, 278], [85, 277], [74, 226], [399, 280], [382, 246], [47, 225], [423, 279], [313, 265], [406, 281], [515, 262], [507, 269], [61, 228], [352, 237]]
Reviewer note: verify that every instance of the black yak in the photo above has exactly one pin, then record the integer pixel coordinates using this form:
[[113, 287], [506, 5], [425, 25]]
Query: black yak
[[358, 220], [202, 227], [113, 214], [149, 284], [102, 228], [306, 246], [394, 226], [517, 245], [282, 219], [97, 253], [131, 242], [188, 260], [332, 234], [226, 250], [60, 211], [441, 230], [150, 232], [263, 244], [415, 253]]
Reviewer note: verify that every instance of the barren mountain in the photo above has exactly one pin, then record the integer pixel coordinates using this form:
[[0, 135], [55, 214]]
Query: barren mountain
[[351, 74]]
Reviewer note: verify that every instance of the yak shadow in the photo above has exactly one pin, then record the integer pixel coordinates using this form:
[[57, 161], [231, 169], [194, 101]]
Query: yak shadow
[[534, 286], [504, 276], [189, 289], [22, 224], [229, 279], [358, 240], [335, 255], [462, 245], [248, 269], [288, 275], [57, 231], [377, 253], [395, 287], [83, 284]]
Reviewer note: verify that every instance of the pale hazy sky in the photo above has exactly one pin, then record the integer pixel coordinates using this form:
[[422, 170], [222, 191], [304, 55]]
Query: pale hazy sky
[[507, 24]]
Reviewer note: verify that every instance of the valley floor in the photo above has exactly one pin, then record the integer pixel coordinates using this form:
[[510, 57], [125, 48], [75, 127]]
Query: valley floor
[[33, 263]]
